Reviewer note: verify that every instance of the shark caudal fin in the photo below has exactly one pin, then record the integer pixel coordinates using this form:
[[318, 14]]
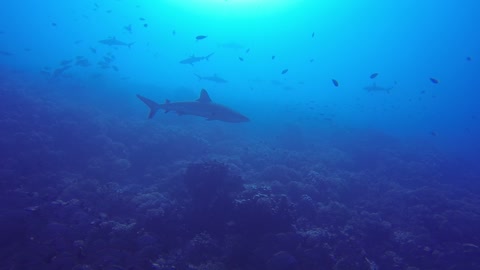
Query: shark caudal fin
[[154, 107]]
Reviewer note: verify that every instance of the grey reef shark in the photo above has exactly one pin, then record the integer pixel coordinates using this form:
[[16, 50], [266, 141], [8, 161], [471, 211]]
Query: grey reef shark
[[375, 88], [215, 78], [115, 42], [203, 107], [194, 59]]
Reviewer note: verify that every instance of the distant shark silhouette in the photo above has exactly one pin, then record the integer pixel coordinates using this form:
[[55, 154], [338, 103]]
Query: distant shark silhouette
[[203, 107], [213, 78], [375, 88], [194, 59], [115, 42]]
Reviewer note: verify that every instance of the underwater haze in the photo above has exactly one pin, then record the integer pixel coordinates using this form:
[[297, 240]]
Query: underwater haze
[[239, 134]]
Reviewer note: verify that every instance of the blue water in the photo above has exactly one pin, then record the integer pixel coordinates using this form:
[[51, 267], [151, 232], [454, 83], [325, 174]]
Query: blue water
[[324, 175]]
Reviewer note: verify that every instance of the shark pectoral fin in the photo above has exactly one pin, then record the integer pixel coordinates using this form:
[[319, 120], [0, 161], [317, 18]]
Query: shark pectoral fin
[[208, 56]]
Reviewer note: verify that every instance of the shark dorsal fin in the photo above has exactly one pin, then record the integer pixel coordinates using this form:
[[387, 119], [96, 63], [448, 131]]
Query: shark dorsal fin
[[204, 97]]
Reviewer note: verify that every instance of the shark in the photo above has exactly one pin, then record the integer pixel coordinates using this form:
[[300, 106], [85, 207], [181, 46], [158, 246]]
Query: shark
[[213, 78], [375, 88], [203, 107], [115, 42], [193, 59]]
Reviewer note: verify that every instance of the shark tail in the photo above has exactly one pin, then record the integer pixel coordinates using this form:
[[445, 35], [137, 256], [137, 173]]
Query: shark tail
[[208, 56], [154, 107]]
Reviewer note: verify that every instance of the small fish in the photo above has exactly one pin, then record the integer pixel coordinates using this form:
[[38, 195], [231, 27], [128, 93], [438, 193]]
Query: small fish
[[276, 82], [433, 80], [248, 50], [115, 68], [93, 50], [54, 24], [103, 65], [174, 32], [373, 75], [83, 62], [285, 71], [469, 58], [32, 208], [128, 28], [240, 58], [107, 59], [27, 49], [335, 82], [273, 57], [311, 60], [200, 37], [78, 41], [142, 19], [145, 25], [433, 133], [57, 72], [470, 245], [45, 73], [65, 62], [5, 53], [313, 34]]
